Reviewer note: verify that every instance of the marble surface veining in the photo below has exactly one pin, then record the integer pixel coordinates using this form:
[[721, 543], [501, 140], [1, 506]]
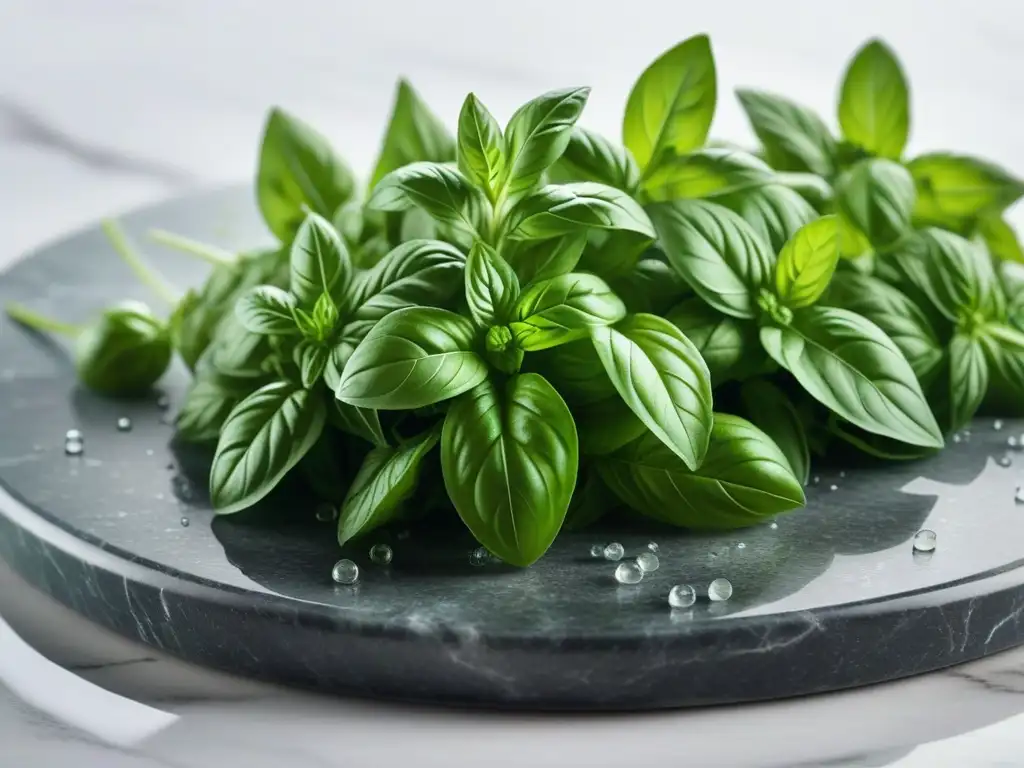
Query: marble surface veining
[[115, 103]]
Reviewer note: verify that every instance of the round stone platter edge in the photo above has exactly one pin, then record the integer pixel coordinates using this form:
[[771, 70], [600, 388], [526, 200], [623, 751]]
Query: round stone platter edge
[[829, 597]]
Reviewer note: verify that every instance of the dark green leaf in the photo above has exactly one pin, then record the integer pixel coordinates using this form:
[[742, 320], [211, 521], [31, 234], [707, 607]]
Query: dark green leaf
[[774, 212], [311, 359], [716, 252], [263, 438], [543, 259], [576, 371], [661, 376], [413, 358], [705, 173], [848, 364], [652, 286], [606, 426], [730, 347], [337, 359], [414, 134], [968, 379], [319, 263], [953, 188], [794, 138], [439, 190], [480, 151], [492, 287], [207, 406], [672, 103], [562, 209], [268, 311], [236, 351], [387, 478], [591, 157], [744, 479], [360, 422], [563, 309], [874, 103], [298, 172], [510, 457], [874, 445], [807, 263], [590, 501], [771, 411], [877, 197]]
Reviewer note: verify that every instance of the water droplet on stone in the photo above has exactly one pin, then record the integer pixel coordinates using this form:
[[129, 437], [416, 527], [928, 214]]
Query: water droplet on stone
[[614, 551], [719, 590], [816, 479], [653, 546], [682, 596], [380, 554], [741, 545], [924, 540], [1019, 496], [124, 424], [956, 437], [1011, 441], [1005, 460], [597, 551], [774, 526], [479, 556], [184, 522], [628, 573], [149, 451], [842, 474], [74, 445], [325, 512], [345, 572], [997, 424], [74, 434], [833, 487], [648, 562], [163, 402]]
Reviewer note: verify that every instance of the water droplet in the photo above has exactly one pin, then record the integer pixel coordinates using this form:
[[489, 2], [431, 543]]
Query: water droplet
[[833, 487], [124, 424], [614, 551], [997, 424], [163, 402], [719, 590], [1011, 441], [1005, 460], [479, 556], [74, 434], [816, 479], [967, 435], [648, 562], [149, 451], [597, 551], [184, 522], [682, 596], [183, 489], [628, 573], [956, 437], [653, 546], [345, 572], [325, 512], [1019, 496], [741, 545], [774, 526], [842, 474], [380, 554], [924, 540], [73, 446]]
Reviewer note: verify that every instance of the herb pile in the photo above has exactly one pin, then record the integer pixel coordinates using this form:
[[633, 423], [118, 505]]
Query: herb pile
[[671, 325]]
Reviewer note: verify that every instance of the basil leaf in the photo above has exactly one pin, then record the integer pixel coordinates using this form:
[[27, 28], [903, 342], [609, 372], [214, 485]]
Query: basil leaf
[[794, 138], [705, 173], [576, 371], [613, 254], [591, 157], [744, 479], [207, 405], [263, 438], [562, 209], [652, 286], [536, 136], [1000, 238], [510, 457], [563, 309], [892, 311], [319, 262], [730, 347], [606, 426], [770, 410], [716, 252], [774, 212], [480, 151], [237, 351], [874, 103], [590, 502], [672, 103], [853, 244], [968, 379], [542, 259], [661, 376], [875, 445], [492, 287], [877, 197], [298, 171], [414, 134], [359, 422], [268, 311], [952, 188], [336, 360], [325, 317], [387, 478], [442, 192], [413, 358], [848, 364], [807, 263], [1004, 348], [816, 191], [311, 359]]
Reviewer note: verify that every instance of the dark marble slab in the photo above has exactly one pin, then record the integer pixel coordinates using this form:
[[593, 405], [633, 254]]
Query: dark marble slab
[[831, 597]]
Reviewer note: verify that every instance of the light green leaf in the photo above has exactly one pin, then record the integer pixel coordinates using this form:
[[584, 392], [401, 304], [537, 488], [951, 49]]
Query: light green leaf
[[968, 379], [536, 136], [716, 252], [661, 376], [807, 263], [336, 360], [794, 138], [387, 478], [848, 364], [441, 191], [730, 347], [510, 457], [774, 212], [542, 259], [562, 309], [298, 172], [1000, 238], [267, 310], [591, 157], [319, 262], [414, 134], [1004, 349], [562, 209], [207, 405], [311, 358], [265, 436], [874, 102], [480, 150], [413, 358], [672, 103], [705, 173], [954, 188], [744, 479], [769, 409], [815, 190], [492, 287], [877, 197]]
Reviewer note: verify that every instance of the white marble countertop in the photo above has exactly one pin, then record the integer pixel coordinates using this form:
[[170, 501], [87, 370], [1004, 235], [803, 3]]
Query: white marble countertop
[[110, 104]]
